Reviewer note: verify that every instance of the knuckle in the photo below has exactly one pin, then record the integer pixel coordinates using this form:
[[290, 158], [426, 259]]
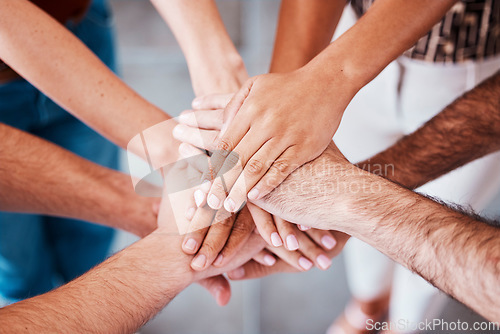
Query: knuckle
[[280, 167], [254, 167], [225, 146], [217, 187]]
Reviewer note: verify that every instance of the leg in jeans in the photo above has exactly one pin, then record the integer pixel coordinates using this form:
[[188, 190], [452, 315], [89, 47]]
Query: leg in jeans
[[38, 252]]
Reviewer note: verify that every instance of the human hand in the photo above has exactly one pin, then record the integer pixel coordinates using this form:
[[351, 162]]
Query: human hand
[[253, 269], [270, 132]]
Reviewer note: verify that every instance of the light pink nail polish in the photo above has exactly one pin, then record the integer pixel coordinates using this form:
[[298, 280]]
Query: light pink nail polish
[[328, 241], [190, 213], [305, 263], [323, 262], [276, 240], [292, 243], [253, 194], [199, 261], [190, 244], [269, 260], [229, 205], [213, 201], [199, 197]]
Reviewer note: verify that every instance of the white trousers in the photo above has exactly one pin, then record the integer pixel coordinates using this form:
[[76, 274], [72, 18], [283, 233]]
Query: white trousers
[[402, 98]]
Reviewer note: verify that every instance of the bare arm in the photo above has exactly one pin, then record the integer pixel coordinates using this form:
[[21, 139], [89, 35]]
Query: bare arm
[[466, 130], [39, 177], [124, 292], [214, 63], [74, 77], [457, 253], [305, 28]]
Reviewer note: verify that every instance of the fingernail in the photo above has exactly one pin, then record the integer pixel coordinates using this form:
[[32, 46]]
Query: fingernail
[[190, 213], [199, 261], [292, 243], [213, 201], [196, 103], [305, 263], [324, 262], [190, 244], [276, 240], [184, 150], [328, 241], [183, 118], [253, 194], [205, 186], [269, 260], [229, 205], [199, 196], [237, 273], [178, 130], [304, 228], [218, 260]]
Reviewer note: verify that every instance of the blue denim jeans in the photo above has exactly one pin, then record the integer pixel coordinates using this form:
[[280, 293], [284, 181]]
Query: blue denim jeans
[[37, 253]]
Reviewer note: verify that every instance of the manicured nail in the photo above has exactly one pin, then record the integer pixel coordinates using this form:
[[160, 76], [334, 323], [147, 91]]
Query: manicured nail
[[183, 118], [229, 205], [292, 243], [305, 263], [269, 260], [253, 194], [184, 150], [199, 197], [190, 245], [196, 103], [199, 261], [218, 260], [276, 240], [205, 186], [190, 213], [178, 130], [328, 241], [237, 273], [213, 201], [304, 228], [323, 262]]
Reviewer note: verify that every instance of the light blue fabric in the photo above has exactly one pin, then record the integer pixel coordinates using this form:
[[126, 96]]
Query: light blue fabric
[[36, 252]]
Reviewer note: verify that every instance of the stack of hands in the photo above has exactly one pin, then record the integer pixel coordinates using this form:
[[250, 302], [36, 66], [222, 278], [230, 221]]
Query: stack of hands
[[218, 228]]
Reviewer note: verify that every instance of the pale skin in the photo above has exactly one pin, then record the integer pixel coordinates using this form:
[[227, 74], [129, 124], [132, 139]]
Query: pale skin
[[216, 67], [269, 124]]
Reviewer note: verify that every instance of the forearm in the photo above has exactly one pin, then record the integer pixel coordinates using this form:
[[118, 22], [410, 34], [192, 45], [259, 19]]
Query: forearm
[[466, 130], [305, 28], [214, 63], [388, 29], [118, 296], [73, 76], [458, 254], [39, 177]]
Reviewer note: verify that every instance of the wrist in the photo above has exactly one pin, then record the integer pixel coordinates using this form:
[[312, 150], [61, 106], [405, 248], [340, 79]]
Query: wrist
[[219, 73]]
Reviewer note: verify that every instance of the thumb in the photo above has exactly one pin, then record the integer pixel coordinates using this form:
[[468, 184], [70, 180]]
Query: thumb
[[218, 287]]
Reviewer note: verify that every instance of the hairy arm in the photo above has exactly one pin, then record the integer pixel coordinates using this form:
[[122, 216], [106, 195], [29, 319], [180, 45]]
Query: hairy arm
[[466, 130], [457, 253], [69, 73], [214, 63], [39, 177], [305, 28]]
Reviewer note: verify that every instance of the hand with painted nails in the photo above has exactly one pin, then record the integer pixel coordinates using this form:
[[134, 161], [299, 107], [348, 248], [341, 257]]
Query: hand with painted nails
[[273, 125], [256, 269], [200, 128]]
